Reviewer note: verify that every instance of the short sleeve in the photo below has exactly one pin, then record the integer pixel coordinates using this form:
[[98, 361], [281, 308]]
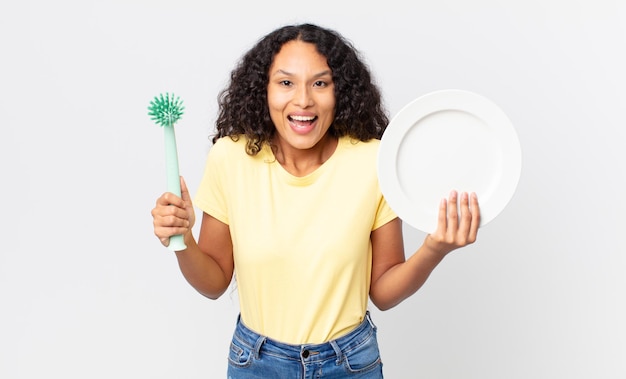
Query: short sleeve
[[211, 195], [384, 213]]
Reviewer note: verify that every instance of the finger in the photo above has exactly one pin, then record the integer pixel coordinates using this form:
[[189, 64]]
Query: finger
[[191, 215], [170, 216], [442, 218], [167, 231], [165, 227], [453, 216], [177, 219], [466, 217], [475, 209], [164, 234], [166, 210], [168, 198], [184, 191]]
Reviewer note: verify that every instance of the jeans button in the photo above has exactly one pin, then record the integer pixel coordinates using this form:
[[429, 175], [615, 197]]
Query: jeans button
[[305, 354]]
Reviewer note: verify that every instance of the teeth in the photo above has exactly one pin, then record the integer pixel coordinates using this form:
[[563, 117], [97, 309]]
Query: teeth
[[302, 118]]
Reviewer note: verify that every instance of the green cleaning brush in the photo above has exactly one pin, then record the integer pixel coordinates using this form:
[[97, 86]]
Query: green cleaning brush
[[165, 111]]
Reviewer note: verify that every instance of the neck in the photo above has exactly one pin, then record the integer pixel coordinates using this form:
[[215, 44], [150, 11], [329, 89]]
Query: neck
[[301, 162]]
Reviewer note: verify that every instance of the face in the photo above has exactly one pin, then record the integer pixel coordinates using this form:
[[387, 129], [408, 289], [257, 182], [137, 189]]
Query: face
[[301, 97]]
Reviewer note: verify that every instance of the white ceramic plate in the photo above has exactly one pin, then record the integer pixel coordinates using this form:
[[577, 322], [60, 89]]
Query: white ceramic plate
[[448, 140]]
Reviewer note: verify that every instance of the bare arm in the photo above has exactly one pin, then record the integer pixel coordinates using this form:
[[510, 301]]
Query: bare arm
[[207, 264], [394, 278]]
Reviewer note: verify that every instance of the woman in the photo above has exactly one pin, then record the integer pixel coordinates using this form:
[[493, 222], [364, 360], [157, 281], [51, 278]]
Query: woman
[[291, 204]]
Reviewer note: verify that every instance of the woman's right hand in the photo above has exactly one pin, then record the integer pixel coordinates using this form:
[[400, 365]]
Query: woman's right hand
[[173, 215]]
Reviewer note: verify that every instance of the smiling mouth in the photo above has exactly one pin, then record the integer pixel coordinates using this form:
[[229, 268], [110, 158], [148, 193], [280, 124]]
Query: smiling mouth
[[302, 121]]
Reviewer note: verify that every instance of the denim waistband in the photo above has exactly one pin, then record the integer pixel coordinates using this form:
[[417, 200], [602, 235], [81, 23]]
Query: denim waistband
[[333, 349]]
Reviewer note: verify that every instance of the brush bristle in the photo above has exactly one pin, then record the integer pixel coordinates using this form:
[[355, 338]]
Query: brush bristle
[[166, 110]]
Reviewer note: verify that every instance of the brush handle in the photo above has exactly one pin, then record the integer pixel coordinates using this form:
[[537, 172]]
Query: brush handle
[[177, 242]]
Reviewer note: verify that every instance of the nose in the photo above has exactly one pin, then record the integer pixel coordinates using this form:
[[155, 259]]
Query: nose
[[302, 97]]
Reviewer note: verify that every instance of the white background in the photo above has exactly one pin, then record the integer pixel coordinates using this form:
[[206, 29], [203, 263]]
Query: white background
[[86, 290]]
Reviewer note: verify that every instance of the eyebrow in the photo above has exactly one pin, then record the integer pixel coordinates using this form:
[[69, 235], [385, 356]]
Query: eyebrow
[[287, 73]]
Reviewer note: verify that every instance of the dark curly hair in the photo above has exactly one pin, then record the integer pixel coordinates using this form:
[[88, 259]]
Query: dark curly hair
[[359, 112]]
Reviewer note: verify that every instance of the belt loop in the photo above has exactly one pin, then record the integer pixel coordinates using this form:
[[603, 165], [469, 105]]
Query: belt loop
[[369, 319], [257, 346], [338, 351]]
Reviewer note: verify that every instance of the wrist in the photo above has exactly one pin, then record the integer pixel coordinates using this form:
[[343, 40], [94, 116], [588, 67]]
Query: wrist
[[188, 238], [435, 247]]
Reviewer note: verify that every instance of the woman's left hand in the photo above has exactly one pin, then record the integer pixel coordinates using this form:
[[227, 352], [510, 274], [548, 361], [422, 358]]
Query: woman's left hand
[[455, 228]]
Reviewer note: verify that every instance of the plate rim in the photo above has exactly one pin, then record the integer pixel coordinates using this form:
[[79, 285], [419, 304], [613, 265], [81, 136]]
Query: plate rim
[[419, 108]]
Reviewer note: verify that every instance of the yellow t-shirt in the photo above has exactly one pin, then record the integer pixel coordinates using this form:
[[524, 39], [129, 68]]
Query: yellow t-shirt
[[302, 247]]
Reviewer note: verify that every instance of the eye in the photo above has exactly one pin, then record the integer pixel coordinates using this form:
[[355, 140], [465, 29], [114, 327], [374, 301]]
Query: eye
[[320, 83], [285, 83]]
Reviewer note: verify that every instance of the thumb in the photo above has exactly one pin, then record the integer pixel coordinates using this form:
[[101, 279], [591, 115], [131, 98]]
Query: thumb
[[184, 191]]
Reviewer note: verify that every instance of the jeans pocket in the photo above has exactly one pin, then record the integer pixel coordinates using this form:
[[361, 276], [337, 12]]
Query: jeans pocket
[[364, 357], [239, 356]]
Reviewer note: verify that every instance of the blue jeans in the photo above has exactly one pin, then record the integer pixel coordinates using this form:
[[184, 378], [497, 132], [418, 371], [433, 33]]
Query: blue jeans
[[354, 355]]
